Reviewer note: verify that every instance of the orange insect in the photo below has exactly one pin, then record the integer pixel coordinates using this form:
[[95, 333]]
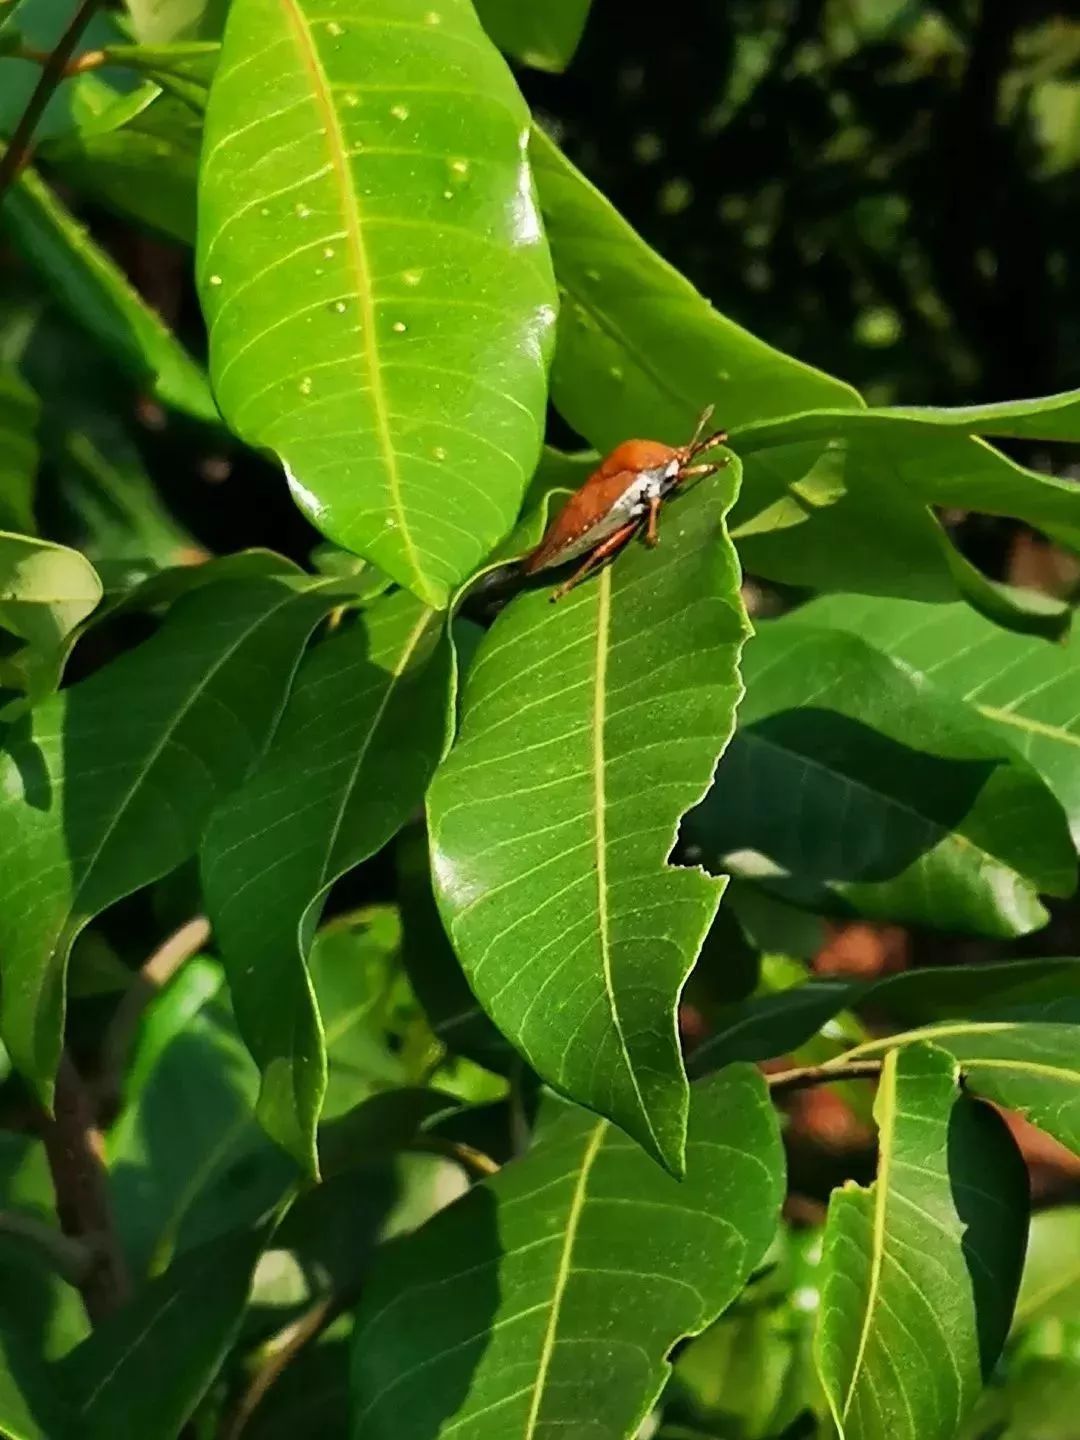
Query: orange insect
[[619, 498]]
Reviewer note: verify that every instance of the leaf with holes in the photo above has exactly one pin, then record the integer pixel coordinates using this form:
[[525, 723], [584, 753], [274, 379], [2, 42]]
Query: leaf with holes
[[848, 786], [92, 288], [588, 728], [374, 273], [920, 1271], [573, 1273], [365, 726], [640, 352], [1027, 690], [107, 785]]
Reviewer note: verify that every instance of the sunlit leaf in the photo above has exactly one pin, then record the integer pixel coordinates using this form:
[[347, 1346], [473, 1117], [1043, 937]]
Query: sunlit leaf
[[573, 1273], [363, 731], [374, 274], [920, 1271], [588, 728], [848, 785]]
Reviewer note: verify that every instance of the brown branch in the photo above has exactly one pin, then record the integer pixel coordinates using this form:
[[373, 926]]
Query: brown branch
[[90, 60], [784, 1080], [52, 73], [279, 1351], [75, 1152]]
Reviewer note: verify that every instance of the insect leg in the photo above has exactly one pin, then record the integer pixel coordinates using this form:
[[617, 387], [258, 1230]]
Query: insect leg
[[698, 472], [652, 533], [614, 542]]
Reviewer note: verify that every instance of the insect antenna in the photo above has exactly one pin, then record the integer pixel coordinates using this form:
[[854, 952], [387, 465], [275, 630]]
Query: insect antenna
[[700, 441]]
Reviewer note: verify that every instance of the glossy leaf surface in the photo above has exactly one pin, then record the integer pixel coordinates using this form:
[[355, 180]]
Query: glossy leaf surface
[[374, 274], [543, 36], [846, 780], [364, 728], [588, 728], [92, 809], [542, 1260], [143, 1371], [920, 1271], [1026, 689], [640, 352], [45, 591], [95, 292]]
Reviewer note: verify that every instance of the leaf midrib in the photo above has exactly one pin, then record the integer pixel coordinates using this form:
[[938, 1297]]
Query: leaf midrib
[[357, 251]]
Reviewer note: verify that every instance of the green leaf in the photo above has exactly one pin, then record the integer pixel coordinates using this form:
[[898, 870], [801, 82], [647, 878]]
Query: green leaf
[[45, 591], [814, 513], [904, 809], [144, 168], [639, 351], [545, 1260], [365, 727], [920, 1271], [588, 728], [543, 36], [107, 785], [143, 1371], [374, 274], [97, 294], [1028, 691], [184, 68], [1050, 1288], [29, 1408], [192, 1080], [19, 408], [943, 464]]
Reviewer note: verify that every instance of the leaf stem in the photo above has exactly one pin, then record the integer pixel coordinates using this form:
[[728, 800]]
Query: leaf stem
[[75, 1152], [53, 71], [279, 1350], [804, 1077]]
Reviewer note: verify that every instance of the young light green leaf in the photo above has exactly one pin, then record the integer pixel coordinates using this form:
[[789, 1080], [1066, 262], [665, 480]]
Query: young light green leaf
[[1027, 690], [540, 1259], [143, 1371], [365, 726], [96, 293], [45, 590], [920, 1271], [192, 1079], [588, 728], [374, 274], [640, 352], [543, 36], [905, 810], [19, 408], [107, 785]]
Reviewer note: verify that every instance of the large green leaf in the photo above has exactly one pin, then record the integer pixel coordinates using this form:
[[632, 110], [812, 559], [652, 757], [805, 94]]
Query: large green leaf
[[1050, 1288], [29, 1408], [543, 36], [97, 294], [374, 274], [817, 513], [1028, 690], [588, 728], [920, 1271], [640, 352], [572, 1273], [940, 463], [107, 785], [143, 1371], [18, 451], [849, 784], [192, 1081], [365, 726]]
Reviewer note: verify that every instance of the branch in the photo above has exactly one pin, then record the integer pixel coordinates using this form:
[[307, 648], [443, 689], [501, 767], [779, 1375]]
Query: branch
[[279, 1351], [784, 1080], [52, 73], [74, 1149]]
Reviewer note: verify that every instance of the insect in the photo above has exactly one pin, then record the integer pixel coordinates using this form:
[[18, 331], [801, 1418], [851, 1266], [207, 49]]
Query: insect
[[617, 500]]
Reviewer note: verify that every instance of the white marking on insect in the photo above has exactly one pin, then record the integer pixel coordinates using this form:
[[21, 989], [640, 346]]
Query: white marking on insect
[[631, 505]]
